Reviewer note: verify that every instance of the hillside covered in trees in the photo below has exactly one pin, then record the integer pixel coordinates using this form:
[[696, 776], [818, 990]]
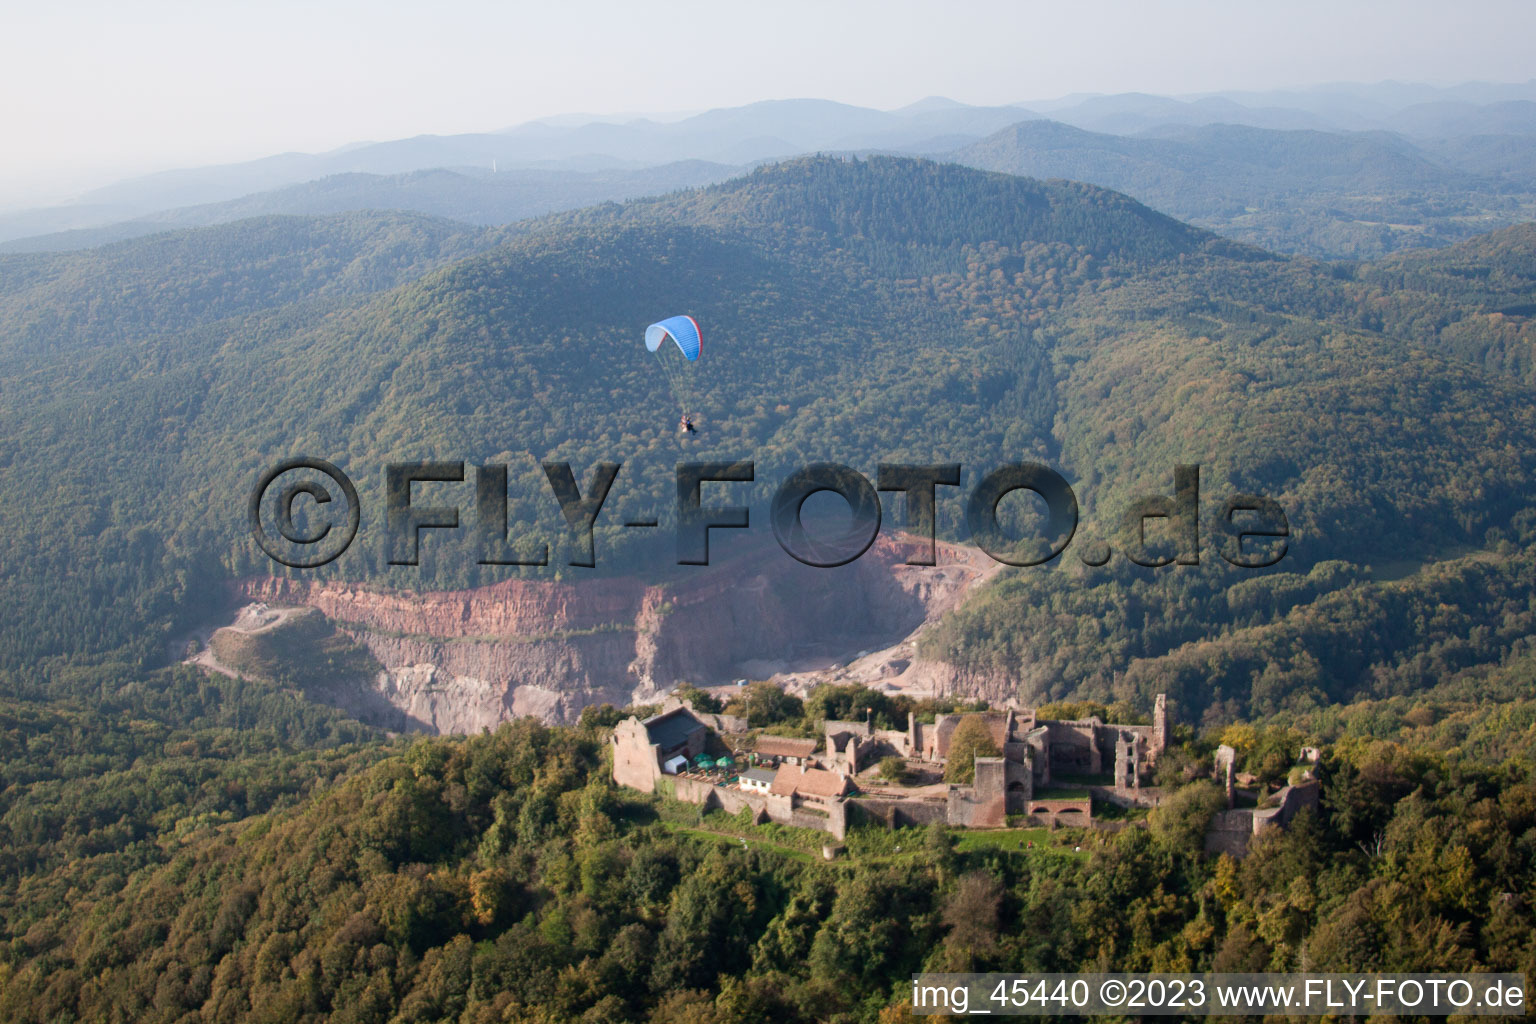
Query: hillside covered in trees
[[504, 878], [856, 312]]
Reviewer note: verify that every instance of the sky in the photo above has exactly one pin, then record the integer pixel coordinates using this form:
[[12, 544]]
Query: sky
[[92, 90]]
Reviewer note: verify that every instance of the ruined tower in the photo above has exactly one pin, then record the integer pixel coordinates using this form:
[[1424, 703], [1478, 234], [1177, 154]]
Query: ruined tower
[[1159, 725]]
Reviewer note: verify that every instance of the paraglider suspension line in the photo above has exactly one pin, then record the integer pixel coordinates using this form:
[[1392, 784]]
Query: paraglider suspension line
[[674, 380]]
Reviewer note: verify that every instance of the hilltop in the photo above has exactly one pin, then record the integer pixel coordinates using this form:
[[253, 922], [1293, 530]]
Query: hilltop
[[1358, 194]]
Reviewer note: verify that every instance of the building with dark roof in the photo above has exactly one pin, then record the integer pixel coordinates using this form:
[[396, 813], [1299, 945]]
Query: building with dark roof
[[757, 780], [645, 751], [672, 732]]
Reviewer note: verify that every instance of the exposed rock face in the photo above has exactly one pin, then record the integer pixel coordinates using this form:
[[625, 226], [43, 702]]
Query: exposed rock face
[[458, 661]]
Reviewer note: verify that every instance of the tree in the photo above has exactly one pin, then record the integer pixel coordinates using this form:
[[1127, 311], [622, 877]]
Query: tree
[[971, 916], [852, 703], [1177, 765], [708, 925], [1074, 710], [1180, 821], [701, 700], [1273, 754], [971, 739], [763, 703], [600, 716], [940, 847], [893, 769], [881, 926]]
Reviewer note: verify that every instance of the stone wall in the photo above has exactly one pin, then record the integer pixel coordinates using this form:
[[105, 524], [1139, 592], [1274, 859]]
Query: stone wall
[[966, 809], [831, 818], [1146, 796], [837, 819], [1074, 747], [635, 761], [1289, 802], [899, 740], [901, 813], [1076, 812], [1230, 832], [692, 791]]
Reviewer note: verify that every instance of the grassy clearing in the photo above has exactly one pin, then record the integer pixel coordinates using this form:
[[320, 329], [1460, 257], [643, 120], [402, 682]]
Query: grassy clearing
[[865, 843], [754, 842], [1017, 840]]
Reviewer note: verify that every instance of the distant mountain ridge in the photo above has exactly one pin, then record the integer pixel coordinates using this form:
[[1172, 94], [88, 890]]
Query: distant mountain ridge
[[1480, 129], [1326, 194], [733, 136], [468, 196]]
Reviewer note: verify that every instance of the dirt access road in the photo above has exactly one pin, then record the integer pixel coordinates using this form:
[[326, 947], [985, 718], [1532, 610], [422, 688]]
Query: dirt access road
[[251, 619]]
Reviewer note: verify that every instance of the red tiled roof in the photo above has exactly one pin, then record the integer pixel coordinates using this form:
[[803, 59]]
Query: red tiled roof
[[808, 782], [785, 746]]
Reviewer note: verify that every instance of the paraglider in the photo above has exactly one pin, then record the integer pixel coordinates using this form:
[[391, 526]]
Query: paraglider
[[676, 342]]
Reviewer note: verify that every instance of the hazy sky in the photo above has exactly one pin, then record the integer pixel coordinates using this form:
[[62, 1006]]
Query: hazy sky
[[93, 89]]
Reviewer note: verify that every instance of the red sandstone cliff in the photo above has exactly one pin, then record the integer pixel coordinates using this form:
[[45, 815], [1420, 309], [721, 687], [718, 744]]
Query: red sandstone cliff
[[458, 661]]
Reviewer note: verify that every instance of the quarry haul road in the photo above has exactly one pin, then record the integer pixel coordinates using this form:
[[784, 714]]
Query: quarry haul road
[[257, 617]]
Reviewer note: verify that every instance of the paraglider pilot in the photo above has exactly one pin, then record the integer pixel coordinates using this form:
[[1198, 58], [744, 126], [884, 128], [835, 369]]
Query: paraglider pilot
[[682, 331]]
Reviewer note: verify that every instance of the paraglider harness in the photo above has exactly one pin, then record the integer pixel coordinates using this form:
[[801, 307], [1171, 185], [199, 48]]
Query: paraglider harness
[[686, 424]]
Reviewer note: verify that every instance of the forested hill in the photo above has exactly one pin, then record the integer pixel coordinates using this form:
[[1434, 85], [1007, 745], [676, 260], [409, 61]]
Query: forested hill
[[505, 878], [1352, 194], [925, 205], [854, 311], [1473, 300], [180, 280]]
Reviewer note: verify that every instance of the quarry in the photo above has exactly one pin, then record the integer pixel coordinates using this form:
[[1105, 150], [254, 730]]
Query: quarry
[[462, 661]]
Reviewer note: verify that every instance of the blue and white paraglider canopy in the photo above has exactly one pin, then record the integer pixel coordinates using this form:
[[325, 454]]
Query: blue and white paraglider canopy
[[683, 331]]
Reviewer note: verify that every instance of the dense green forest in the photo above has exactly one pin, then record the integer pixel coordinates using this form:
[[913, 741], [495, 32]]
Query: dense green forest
[[504, 878], [182, 846]]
